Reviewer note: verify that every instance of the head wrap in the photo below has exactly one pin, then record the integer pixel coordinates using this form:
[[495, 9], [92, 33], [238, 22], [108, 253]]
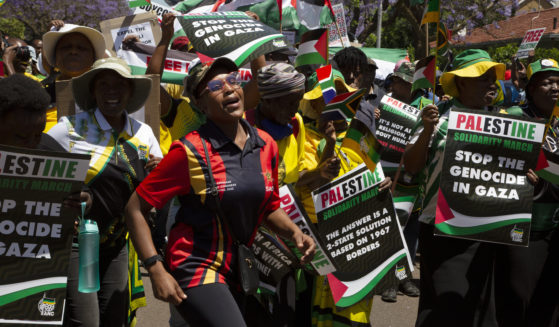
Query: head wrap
[[279, 79]]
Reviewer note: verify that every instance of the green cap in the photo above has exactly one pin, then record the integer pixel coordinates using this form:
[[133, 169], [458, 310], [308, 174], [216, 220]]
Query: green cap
[[197, 71], [405, 71], [542, 65]]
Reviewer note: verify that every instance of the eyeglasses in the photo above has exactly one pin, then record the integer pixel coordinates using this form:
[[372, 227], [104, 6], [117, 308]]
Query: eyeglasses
[[218, 84]]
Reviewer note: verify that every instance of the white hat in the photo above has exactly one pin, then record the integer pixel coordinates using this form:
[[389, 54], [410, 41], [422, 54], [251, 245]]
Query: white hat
[[86, 100], [50, 39]]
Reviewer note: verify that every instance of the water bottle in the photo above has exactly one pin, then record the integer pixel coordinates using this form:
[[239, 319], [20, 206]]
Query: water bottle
[[88, 240]]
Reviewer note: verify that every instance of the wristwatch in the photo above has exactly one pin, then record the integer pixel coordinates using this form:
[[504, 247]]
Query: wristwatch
[[152, 260]]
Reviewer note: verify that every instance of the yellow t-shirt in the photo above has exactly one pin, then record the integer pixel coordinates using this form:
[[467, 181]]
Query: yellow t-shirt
[[291, 150]]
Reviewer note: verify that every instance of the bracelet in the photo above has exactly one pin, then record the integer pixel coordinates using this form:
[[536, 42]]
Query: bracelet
[[152, 260]]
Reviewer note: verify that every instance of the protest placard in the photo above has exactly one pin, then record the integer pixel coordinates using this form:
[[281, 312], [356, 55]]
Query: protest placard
[[333, 35], [484, 192], [144, 26], [159, 8], [36, 232], [529, 42], [233, 34], [322, 263], [394, 129], [273, 259], [362, 234]]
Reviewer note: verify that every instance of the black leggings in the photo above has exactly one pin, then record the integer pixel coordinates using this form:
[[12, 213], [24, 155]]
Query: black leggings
[[211, 305], [216, 305]]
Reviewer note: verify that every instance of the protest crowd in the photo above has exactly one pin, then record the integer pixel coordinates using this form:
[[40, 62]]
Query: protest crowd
[[265, 183]]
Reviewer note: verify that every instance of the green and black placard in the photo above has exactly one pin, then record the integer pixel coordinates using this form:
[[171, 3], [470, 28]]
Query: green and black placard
[[484, 192], [394, 129], [231, 34], [36, 232], [362, 234]]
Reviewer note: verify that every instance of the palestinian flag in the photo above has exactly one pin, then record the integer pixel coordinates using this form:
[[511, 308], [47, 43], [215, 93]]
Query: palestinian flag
[[326, 82], [131, 3], [360, 137], [432, 12], [313, 48], [343, 106], [443, 40], [424, 76], [328, 3]]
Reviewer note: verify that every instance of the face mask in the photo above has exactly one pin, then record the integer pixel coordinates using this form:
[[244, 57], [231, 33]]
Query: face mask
[[276, 131]]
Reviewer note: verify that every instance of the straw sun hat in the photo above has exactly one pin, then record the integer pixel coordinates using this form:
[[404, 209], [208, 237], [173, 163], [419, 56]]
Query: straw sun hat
[[85, 98], [51, 38]]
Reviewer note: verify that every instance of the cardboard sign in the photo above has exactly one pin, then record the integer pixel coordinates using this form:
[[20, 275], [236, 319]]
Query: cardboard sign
[[333, 35], [144, 26], [529, 42], [232, 34], [149, 114], [362, 234], [322, 263], [160, 8], [394, 129], [484, 193], [36, 232]]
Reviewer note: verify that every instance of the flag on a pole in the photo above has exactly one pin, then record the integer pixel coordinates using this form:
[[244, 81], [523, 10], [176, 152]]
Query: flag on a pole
[[343, 106], [360, 137], [131, 3], [432, 13], [328, 3], [424, 75], [326, 82], [313, 48], [443, 40]]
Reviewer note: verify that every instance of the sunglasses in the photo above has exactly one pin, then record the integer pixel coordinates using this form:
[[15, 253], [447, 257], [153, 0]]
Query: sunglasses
[[218, 84]]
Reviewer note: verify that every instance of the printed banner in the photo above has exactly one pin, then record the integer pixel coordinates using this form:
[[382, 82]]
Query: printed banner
[[231, 34], [362, 235], [529, 42], [36, 232], [322, 263], [484, 192], [138, 55], [394, 129], [273, 259], [333, 35]]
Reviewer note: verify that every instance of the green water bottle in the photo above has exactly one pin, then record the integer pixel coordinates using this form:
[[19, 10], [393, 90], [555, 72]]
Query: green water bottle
[[88, 240]]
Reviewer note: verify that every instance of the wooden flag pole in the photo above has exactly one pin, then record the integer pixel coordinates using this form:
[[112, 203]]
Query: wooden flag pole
[[339, 32], [436, 60]]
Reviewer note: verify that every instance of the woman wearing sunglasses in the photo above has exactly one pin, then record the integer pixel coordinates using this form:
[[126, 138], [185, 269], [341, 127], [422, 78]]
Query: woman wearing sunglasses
[[243, 161]]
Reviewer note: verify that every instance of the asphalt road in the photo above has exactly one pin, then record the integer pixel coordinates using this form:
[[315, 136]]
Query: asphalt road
[[399, 314]]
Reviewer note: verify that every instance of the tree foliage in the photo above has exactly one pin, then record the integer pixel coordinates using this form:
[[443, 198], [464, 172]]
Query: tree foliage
[[401, 21], [36, 15]]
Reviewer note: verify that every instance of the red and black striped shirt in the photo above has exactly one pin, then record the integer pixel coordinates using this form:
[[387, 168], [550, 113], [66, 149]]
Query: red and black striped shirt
[[199, 250]]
